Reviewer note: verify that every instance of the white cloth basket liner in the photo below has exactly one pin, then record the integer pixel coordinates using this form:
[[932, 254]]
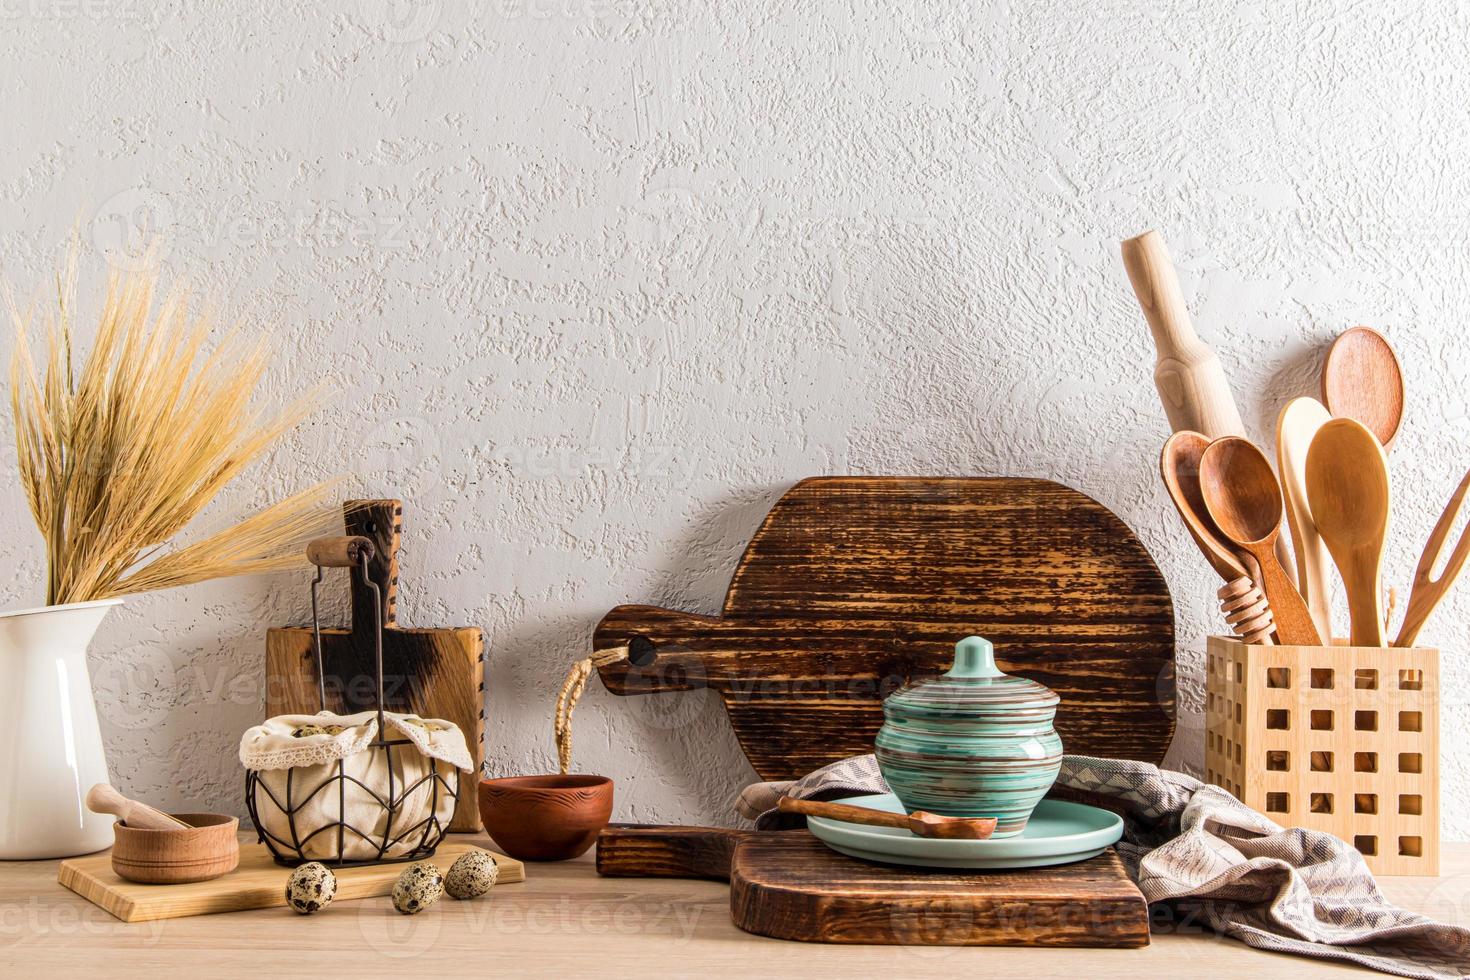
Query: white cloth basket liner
[[272, 752]]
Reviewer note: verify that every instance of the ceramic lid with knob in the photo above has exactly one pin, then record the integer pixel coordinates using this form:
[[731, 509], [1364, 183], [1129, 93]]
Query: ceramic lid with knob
[[975, 689]]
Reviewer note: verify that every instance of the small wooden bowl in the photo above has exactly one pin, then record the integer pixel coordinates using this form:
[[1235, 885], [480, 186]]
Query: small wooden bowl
[[545, 818], [207, 849]]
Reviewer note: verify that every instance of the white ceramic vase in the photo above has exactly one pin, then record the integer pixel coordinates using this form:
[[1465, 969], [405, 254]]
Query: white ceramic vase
[[51, 753]]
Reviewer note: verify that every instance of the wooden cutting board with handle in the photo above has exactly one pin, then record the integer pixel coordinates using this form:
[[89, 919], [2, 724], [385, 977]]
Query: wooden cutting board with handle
[[436, 673], [788, 885], [854, 585]]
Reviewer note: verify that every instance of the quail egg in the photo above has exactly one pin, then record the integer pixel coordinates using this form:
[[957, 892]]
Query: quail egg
[[471, 874], [306, 731], [311, 888], [417, 888]]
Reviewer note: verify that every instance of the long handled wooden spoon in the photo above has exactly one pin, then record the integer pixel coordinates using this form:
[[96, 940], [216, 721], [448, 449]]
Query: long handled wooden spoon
[[103, 798], [1347, 486], [1241, 600], [919, 823], [1427, 591], [1242, 495], [1362, 380], [1295, 429]]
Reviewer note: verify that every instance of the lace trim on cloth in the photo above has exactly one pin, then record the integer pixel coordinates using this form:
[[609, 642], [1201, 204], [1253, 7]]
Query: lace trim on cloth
[[271, 744]]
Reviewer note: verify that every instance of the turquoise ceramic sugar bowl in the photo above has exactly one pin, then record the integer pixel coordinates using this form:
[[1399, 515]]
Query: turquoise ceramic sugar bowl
[[973, 743]]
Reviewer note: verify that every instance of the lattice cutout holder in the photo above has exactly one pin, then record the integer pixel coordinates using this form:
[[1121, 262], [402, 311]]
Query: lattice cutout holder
[[1342, 739]]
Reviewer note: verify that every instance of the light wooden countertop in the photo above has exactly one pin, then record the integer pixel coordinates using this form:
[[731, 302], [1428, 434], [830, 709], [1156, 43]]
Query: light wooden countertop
[[566, 921]]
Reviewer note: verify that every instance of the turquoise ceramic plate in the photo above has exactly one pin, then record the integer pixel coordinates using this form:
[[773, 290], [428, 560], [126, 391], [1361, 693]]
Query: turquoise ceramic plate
[[1058, 833]]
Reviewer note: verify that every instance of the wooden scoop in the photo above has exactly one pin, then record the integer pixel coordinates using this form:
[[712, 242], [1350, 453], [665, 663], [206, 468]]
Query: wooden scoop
[[103, 798], [1363, 380], [1242, 495], [919, 823], [1347, 487]]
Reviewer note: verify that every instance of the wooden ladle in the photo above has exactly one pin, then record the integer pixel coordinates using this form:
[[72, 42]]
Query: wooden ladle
[[1347, 487], [1362, 380], [1241, 493], [919, 823], [1241, 600]]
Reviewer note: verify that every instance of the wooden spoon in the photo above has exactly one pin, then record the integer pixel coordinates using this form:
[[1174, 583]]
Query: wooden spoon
[[1242, 495], [103, 798], [1295, 429], [919, 823], [1427, 591], [1241, 600], [1363, 380], [1347, 486]]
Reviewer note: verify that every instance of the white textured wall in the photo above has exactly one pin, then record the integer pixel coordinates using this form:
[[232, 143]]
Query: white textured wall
[[594, 280]]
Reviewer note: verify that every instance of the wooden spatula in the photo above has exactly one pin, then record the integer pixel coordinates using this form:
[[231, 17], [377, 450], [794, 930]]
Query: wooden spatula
[[1347, 486], [919, 823], [1429, 591], [1295, 430]]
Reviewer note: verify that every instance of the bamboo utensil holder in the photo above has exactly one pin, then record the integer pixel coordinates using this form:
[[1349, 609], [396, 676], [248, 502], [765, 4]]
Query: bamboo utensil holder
[[1340, 739]]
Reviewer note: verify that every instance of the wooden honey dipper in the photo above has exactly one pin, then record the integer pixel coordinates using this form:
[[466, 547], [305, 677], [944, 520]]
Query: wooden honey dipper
[[1247, 610], [1244, 605]]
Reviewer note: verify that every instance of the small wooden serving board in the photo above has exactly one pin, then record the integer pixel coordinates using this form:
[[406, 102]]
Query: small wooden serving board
[[788, 885], [258, 883]]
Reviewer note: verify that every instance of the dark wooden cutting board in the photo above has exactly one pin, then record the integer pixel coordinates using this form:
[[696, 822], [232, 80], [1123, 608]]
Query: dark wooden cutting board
[[436, 673], [854, 585], [788, 885]]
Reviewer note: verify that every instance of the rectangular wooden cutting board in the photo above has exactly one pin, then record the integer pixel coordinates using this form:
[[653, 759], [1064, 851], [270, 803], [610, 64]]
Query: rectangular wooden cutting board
[[258, 883], [436, 673], [788, 885]]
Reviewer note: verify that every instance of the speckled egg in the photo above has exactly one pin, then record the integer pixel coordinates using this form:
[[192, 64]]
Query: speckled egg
[[417, 888], [311, 888], [471, 875]]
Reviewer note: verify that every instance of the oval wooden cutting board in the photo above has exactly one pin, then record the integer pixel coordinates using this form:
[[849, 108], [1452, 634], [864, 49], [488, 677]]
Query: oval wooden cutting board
[[854, 585]]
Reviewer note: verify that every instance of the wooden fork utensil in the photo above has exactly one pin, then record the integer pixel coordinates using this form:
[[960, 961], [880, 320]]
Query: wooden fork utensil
[[1427, 591]]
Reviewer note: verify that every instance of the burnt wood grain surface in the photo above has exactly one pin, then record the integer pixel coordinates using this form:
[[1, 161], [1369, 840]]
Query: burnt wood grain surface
[[437, 673], [789, 885], [853, 586]]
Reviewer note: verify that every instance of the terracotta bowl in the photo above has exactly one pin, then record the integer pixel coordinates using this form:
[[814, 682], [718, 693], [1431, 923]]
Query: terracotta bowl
[[545, 818], [208, 849]]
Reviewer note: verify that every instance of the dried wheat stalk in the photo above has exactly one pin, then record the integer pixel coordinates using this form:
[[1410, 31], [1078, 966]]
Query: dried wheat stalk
[[118, 456]]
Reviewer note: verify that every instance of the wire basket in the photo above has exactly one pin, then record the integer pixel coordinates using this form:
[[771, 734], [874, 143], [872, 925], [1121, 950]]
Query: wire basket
[[393, 834]]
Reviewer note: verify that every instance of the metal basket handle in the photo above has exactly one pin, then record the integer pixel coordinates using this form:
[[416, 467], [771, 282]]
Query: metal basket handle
[[345, 552]]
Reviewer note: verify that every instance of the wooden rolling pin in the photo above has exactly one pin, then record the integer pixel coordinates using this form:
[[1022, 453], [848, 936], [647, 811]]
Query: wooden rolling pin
[[1187, 373], [918, 823], [103, 798]]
